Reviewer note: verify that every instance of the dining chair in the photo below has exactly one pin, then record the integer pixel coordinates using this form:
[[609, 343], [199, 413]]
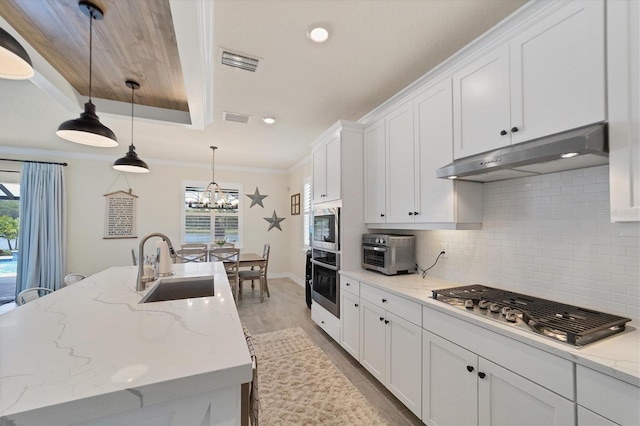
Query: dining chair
[[31, 294], [259, 274], [73, 278], [231, 259], [186, 255], [134, 257], [194, 246]]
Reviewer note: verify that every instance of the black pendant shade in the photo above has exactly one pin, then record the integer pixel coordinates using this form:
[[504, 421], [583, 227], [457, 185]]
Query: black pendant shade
[[131, 163], [15, 63], [87, 130]]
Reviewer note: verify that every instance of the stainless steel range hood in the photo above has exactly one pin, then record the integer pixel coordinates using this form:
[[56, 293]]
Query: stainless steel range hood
[[585, 146]]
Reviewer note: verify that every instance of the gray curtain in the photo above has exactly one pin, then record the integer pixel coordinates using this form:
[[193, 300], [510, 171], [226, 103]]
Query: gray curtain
[[42, 237]]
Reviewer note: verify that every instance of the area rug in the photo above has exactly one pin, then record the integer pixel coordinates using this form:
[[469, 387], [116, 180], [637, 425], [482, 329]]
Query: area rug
[[300, 385]]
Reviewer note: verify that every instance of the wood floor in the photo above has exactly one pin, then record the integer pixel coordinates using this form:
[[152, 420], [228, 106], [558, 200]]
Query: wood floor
[[286, 308]]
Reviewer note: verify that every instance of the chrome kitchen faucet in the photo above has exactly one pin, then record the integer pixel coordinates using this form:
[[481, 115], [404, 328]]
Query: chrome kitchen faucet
[[139, 283]]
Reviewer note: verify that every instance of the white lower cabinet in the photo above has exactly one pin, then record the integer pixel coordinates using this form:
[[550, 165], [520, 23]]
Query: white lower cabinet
[[326, 320], [391, 351], [589, 418], [462, 388], [350, 319]]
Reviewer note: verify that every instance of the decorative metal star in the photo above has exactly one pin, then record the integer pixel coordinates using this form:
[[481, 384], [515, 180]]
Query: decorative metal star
[[256, 198], [274, 221]]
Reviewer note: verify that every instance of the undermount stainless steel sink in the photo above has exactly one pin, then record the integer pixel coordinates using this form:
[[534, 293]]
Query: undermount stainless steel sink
[[180, 288]]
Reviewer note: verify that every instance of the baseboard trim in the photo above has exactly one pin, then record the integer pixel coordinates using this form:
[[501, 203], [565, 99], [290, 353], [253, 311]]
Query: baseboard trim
[[289, 275]]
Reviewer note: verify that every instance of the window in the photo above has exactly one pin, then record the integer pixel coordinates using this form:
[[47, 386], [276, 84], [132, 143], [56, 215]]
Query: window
[[223, 212], [306, 203]]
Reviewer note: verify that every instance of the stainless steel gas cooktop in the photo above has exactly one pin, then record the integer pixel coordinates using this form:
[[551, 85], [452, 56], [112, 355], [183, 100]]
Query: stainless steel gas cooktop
[[559, 321]]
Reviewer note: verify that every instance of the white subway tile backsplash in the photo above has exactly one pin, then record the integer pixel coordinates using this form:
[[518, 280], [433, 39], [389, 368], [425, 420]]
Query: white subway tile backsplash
[[548, 235]]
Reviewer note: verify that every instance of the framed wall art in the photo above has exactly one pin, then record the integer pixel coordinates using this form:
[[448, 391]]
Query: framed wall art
[[295, 204]]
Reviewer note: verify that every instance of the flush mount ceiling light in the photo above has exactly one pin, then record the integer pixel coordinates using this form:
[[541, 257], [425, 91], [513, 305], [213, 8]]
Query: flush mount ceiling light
[[87, 130], [269, 120], [15, 63], [318, 34], [131, 162]]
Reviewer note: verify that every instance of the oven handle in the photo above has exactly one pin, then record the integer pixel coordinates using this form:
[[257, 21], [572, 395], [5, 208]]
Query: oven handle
[[324, 265], [375, 248]]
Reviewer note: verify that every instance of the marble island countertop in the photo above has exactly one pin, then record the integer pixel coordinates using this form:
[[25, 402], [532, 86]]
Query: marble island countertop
[[617, 356], [91, 347]]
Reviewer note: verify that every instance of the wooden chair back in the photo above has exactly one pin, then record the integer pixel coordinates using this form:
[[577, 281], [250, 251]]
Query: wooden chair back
[[187, 255], [231, 259]]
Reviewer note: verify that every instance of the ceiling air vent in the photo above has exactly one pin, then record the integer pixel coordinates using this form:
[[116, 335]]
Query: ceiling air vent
[[239, 61], [235, 117]]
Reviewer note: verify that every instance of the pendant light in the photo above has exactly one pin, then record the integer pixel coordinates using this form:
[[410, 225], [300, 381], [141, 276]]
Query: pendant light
[[131, 162], [213, 187], [15, 63], [87, 130]]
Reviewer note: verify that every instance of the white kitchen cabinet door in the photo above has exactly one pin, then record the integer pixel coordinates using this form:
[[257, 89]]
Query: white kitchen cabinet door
[[350, 317], [319, 186], [373, 339], [447, 371], [481, 111], [404, 361], [623, 74], [334, 168], [508, 399], [558, 72], [375, 173], [400, 206], [589, 418]]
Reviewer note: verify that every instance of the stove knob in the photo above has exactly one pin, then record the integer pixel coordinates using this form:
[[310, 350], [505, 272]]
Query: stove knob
[[483, 304], [494, 307], [505, 311], [511, 316], [468, 304]]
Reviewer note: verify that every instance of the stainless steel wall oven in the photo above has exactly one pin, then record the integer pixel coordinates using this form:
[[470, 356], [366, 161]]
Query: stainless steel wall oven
[[325, 283], [326, 228]]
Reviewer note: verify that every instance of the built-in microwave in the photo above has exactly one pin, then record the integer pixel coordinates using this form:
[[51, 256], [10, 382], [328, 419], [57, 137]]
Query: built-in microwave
[[325, 233]]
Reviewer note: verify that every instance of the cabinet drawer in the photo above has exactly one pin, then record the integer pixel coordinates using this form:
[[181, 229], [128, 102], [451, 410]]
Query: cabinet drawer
[[326, 321], [612, 398], [350, 285], [549, 371], [404, 308]]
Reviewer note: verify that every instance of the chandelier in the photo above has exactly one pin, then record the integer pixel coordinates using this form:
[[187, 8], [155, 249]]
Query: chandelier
[[207, 199]]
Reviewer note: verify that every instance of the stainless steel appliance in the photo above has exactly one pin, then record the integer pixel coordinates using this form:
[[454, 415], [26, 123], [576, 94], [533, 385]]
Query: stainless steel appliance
[[565, 323], [325, 281], [325, 232], [585, 146], [389, 254]]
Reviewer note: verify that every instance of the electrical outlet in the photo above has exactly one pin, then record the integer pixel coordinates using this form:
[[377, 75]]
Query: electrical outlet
[[444, 247]]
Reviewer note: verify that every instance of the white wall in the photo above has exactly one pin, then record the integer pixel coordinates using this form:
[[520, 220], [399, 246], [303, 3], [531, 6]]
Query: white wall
[[159, 210], [548, 236], [297, 251]]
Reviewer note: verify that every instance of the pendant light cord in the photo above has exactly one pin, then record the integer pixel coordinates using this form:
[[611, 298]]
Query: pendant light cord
[[132, 90], [90, 50]]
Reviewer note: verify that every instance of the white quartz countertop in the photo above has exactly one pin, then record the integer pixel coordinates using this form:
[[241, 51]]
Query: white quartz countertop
[[617, 356], [93, 347]]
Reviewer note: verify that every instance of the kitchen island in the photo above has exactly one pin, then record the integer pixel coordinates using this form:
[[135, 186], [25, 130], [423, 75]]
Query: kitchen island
[[91, 353]]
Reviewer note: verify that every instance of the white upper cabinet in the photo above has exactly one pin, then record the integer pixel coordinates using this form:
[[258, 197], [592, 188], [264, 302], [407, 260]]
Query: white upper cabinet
[[400, 204], [550, 77], [623, 72], [481, 104], [326, 172], [375, 172], [440, 200]]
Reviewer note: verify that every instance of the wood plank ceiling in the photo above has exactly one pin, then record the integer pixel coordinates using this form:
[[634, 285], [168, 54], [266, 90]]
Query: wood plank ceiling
[[135, 40]]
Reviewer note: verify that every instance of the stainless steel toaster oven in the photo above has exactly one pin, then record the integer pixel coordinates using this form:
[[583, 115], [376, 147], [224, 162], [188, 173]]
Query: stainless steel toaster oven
[[389, 254]]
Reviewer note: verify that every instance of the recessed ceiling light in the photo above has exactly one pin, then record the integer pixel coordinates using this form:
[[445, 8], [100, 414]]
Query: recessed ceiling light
[[568, 154], [269, 120], [452, 177], [318, 34]]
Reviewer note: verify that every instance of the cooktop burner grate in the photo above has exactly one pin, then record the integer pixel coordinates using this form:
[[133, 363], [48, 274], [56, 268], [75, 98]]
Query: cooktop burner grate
[[567, 323]]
